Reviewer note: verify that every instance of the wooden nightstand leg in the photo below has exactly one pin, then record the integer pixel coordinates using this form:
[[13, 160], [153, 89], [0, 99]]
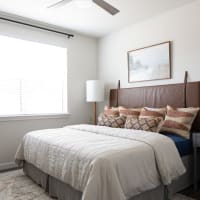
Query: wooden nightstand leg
[[195, 169]]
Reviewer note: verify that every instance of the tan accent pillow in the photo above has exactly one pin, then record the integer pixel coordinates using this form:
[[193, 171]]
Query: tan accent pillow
[[111, 108], [111, 111], [145, 124], [152, 113], [179, 120], [111, 121], [134, 112]]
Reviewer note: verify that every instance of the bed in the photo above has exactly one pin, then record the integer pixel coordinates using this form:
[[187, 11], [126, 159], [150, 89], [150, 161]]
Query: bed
[[158, 96]]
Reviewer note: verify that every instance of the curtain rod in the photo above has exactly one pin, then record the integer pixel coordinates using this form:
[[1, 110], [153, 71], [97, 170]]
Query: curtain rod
[[34, 26]]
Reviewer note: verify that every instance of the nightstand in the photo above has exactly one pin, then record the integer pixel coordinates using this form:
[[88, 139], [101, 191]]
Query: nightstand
[[196, 145]]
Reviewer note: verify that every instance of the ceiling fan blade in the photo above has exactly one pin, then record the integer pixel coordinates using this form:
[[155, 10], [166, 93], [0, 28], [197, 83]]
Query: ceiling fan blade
[[106, 6], [59, 3]]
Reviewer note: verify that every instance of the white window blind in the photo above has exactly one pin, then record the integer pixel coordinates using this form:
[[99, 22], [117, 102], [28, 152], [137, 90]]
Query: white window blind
[[33, 78]]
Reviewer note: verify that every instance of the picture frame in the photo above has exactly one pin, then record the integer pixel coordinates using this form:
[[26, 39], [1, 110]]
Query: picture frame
[[150, 63]]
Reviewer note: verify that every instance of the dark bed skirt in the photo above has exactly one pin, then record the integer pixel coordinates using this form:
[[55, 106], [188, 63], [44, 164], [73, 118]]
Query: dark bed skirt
[[63, 191], [54, 187]]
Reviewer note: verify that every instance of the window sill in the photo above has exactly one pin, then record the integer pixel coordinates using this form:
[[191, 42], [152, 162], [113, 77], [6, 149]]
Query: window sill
[[5, 118]]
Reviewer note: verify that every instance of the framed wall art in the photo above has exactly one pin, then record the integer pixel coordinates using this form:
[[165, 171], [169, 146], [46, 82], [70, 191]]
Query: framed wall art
[[150, 63]]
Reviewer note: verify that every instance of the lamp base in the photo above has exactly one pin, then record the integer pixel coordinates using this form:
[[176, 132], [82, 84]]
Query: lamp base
[[95, 113]]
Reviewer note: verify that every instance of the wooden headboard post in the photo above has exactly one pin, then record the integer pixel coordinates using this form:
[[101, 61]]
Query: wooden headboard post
[[185, 88], [118, 88]]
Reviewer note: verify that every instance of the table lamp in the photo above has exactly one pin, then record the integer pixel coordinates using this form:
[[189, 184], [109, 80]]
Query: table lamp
[[94, 93]]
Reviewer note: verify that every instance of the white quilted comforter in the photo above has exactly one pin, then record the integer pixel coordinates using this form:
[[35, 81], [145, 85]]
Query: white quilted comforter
[[103, 163]]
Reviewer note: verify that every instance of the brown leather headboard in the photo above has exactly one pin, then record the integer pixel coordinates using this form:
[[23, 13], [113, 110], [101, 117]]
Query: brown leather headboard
[[159, 96]]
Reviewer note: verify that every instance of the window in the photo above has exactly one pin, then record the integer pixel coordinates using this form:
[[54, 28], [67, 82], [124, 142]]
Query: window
[[33, 78]]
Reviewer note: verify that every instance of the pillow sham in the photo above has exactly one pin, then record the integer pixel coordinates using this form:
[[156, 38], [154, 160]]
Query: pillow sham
[[134, 112], [111, 121], [179, 121], [144, 124], [153, 113]]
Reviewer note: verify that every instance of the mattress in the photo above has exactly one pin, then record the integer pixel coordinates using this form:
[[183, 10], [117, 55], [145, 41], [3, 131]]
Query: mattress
[[183, 145]]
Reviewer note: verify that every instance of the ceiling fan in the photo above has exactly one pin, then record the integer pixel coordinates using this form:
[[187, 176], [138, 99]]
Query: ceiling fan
[[101, 3]]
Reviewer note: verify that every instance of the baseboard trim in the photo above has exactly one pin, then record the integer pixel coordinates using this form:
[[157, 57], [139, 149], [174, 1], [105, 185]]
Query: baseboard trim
[[7, 166]]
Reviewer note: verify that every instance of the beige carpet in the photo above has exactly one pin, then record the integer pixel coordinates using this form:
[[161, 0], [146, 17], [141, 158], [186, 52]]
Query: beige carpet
[[15, 185]]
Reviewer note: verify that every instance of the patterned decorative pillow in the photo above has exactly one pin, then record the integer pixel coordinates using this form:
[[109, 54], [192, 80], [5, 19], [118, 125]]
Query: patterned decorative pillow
[[144, 124], [111, 121], [179, 120], [152, 113], [134, 112]]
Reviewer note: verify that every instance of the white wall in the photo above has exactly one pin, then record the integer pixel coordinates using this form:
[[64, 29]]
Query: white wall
[[82, 63], [181, 26]]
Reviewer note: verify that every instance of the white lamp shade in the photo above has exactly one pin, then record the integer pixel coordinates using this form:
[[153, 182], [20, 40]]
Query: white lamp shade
[[94, 91]]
